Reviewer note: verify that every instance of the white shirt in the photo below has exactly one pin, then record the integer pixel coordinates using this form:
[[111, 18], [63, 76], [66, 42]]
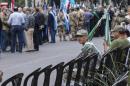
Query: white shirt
[[16, 19]]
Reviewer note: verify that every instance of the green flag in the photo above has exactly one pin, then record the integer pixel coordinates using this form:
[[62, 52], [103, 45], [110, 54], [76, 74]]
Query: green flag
[[91, 34], [107, 28]]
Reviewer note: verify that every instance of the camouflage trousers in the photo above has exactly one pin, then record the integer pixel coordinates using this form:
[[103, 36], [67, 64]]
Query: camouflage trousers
[[62, 33]]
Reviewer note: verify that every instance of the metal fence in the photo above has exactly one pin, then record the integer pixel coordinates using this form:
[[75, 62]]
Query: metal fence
[[86, 72]]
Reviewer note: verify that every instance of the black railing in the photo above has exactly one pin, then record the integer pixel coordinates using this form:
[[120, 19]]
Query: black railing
[[85, 73]]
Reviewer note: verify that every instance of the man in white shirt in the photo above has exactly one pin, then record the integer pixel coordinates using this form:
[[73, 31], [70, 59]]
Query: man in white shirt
[[16, 20]]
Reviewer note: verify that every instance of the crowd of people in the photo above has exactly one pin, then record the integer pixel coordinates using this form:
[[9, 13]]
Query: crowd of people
[[28, 27]]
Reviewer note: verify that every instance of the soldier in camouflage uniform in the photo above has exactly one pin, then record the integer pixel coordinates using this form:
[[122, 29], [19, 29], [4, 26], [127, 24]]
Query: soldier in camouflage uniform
[[61, 28], [5, 30], [80, 18], [73, 23], [118, 19]]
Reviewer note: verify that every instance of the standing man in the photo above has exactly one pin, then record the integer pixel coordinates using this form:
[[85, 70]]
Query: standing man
[[5, 29], [61, 28], [29, 30], [52, 24], [73, 23], [36, 29], [42, 20], [23, 13], [80, 18], [16, 20], [87, 18], [45, 29]]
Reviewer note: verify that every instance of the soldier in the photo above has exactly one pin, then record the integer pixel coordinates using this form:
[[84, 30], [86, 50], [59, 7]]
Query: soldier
[[61, 28], [118, 19], [5, 29], [73, 23], [80, 18], [120, 35], [88, 47], [87, 18]]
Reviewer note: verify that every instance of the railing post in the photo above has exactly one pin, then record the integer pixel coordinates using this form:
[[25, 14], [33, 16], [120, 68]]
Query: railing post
[[16, 80]]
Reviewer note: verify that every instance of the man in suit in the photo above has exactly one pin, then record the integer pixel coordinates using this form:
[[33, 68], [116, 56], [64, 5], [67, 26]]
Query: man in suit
[[52, 24], [36, 30]]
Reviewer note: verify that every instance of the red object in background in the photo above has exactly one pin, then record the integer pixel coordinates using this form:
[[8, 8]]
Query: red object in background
[[3, 4], [12, 4]]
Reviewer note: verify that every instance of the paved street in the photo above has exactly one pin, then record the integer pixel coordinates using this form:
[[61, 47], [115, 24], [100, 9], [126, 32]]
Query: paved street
[[12, 64]]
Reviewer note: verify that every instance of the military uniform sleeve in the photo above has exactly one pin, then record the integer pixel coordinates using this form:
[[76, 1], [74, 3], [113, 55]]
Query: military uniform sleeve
[[88, 49], [114, 44]]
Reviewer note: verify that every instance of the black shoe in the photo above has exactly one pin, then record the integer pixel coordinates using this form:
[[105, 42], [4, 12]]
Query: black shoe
[[52, 42], [36, 50], [12, 51], [29, 50]]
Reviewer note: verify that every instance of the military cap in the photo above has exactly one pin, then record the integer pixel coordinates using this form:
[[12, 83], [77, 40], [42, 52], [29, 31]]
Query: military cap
[[82, 32]]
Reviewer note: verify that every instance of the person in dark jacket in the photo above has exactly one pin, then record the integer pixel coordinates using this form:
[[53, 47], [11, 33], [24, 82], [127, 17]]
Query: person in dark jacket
[[42, 20], [51, 25], [36, 30], [0, 32]]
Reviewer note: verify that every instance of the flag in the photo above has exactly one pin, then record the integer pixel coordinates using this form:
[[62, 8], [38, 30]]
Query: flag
[[107, 30], [66, 19], [12, 4], [91, 34]]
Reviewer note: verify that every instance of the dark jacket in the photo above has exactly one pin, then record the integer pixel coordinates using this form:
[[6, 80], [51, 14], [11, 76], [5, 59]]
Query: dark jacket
[[37, 20], [30, 21], [42, 19], [50, 20]]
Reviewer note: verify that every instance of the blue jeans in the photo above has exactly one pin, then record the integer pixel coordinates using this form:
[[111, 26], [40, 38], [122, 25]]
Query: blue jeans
[[53, 34], [88, 26], [17, 33], [4, 40], [45, 34]]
